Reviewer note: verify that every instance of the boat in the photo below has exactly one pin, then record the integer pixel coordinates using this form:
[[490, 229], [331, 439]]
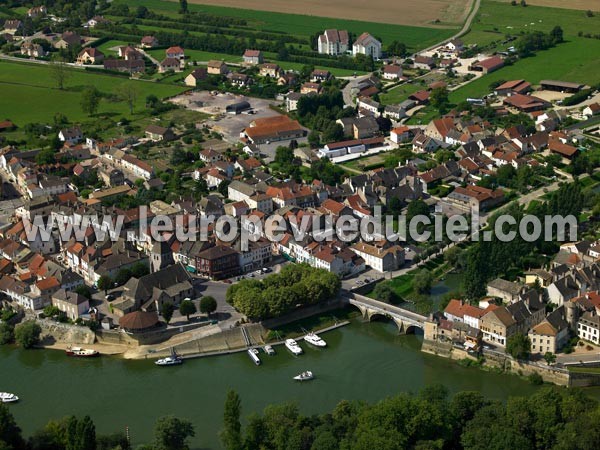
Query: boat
[[79, 352], [253, 353], [314, 339], [293, 346], [269, 350], [169, 361], [6, 397], [304, 376], [173, 360]]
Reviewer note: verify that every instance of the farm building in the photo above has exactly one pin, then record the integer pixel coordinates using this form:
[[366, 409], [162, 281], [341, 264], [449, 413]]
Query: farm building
[[561, 86], [237, 108], [487, 65]]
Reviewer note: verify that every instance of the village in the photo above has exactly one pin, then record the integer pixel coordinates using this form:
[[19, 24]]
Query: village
[[295, 143]]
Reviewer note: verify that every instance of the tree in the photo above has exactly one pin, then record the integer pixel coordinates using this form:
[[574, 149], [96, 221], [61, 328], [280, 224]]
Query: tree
[[7, 333], [385, 293], [27, 334], [60, 72], [186, 308], [518, 346], [231, 435], [314, 139], [557, 34], [397, 48], [90, 100], [416, 208], [422, 281], [10, 433], [128, 93], [550, 358], [183, 6], [439, 98], [171, 433], [208, 305], [105, 283], [167, 311]]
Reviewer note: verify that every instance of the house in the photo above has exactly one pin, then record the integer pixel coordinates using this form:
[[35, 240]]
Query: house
[[72, 304], [68, 39], [129, 53], [196, 76], [438, 129], [499, 324], [365, 127], [291, 101], [422, 143], [273, 129], [320, 75], [421, 97], [513, 87], [37, 11], [218, 262], [269, 70], [288, 78], [391, 72], [238, 191], [565, 150], [488, 65], [240, 79], [157, 133], [455, 46], [13, 26], [167, 64], [423, 62], [253, 57], [471, 197], [132, 66], [506, 290], [90, 55], [526, 103], [215, 67], [551, 334], [175, 52], [401, 134], [139, 168], [149, 42], [94, 21], [381, 256], [367, 107], [367, 45], [563, 290], [458, 311], [71, 135], [333, 42], [33, 50], [394, 112], [588, 327], [592, 110], [310, 88]]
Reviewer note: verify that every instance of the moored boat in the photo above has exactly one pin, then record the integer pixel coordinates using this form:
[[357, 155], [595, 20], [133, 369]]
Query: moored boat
[[304, 376], [293, 346], [269, 350], [253, 353], [169, 361], [79, 352], [314, 339], [7, 397]]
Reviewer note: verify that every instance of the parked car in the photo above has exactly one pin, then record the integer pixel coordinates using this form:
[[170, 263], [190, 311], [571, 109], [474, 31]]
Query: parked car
[[109, 297]]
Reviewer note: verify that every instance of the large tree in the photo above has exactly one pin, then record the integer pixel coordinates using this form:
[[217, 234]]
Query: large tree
[[187, 308], [27, 334], [90, 100], [128, 93], [208, 305], [167, 311], [171, 433], [231, 435], [518, 346], [60, 72]]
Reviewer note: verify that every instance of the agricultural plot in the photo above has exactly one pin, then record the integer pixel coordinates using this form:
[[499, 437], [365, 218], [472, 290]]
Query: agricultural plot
[[29, 93], [415, 37]]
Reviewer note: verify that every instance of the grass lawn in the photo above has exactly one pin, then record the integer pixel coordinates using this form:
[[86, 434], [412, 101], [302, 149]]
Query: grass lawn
[[104, 48], [402, 285], [198, 55], [576, 60], [583, 369], [423, 116], [301, 25], [496, 19], [400, 93], [29, 93]]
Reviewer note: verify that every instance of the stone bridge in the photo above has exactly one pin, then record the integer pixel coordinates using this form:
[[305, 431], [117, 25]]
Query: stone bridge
[[369, 308]]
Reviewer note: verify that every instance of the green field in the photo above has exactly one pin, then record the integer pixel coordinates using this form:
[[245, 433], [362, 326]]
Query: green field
[[576, 60], [495, 19], [299, 25], [28, 93], [400, 93]]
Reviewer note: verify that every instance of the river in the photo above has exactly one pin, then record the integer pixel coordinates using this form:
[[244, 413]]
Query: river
[[362, 361]]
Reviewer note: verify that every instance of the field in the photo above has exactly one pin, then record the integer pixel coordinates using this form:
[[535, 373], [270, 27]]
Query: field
[[28, 93], [583, 5], [496, 19], [406, 12], [576, 60], [400, 93], [415, 37]]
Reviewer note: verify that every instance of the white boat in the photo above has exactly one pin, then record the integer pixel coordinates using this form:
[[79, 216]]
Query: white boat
[[169, 361], [79, 352], [6, 397], [269, 350], [293, 346], [315, 340], [253, 353], [304, 376]]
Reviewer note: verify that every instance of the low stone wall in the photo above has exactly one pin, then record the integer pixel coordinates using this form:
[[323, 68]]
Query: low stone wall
[[116, 337], [56, 332], [304, 312]]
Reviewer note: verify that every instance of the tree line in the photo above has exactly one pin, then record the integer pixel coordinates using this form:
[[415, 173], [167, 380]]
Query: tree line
[[296, 284]]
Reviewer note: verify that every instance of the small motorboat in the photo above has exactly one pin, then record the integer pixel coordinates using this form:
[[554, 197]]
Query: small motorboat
[[269, 350], [253, 353], [169, 361], [304, 376], [293, 346], [173, 360], [6, 397], [314, 339], [79, 352]]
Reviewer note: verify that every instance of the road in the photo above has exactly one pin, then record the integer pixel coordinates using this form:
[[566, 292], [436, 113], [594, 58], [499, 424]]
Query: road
[[576, 358]]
